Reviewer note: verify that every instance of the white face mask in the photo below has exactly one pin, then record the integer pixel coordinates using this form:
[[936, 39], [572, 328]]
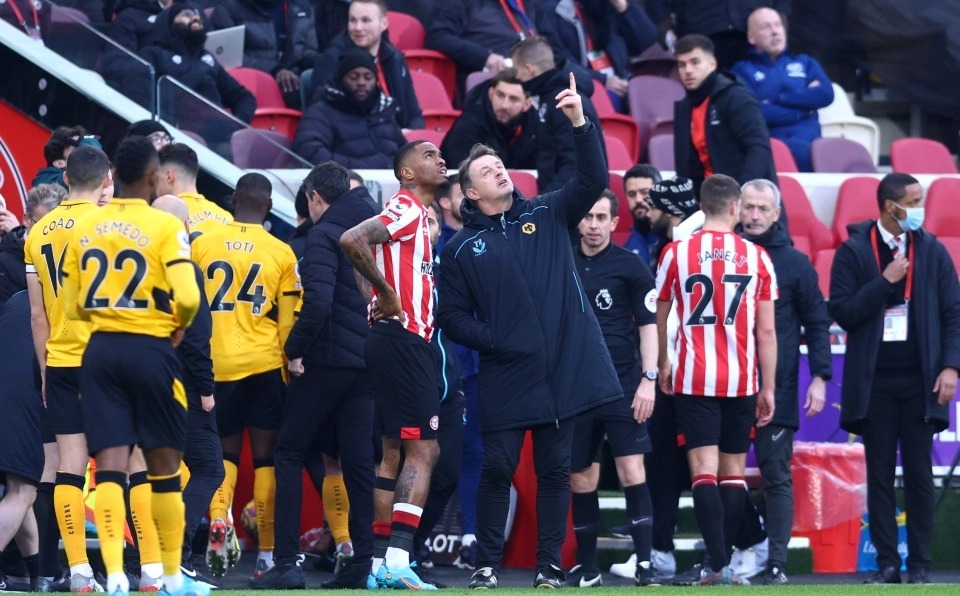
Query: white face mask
[[913, 220]]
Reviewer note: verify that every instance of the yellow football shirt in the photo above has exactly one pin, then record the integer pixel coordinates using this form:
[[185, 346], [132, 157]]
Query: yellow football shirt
[[43, 253], [205, 215], [253, 284], [128, 270]]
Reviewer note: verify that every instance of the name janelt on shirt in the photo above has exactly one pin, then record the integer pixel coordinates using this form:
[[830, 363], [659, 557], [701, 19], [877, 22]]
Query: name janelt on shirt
[[719, 254]]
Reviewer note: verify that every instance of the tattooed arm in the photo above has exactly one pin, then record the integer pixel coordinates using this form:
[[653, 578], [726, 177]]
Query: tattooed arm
[[356, 244]]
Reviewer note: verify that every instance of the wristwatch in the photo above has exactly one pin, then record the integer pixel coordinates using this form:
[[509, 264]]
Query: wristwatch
[[650, 375]]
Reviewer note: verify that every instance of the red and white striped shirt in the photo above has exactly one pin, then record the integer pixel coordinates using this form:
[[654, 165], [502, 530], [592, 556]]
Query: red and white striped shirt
[[406, 261], [717, 280]]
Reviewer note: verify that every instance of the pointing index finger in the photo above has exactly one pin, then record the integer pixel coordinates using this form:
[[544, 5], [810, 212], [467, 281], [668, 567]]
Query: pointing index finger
[[573, 83]]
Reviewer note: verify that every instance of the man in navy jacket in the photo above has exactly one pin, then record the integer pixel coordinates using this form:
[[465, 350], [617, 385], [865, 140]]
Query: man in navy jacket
[[790, 87], [893, 288], [511, 291]]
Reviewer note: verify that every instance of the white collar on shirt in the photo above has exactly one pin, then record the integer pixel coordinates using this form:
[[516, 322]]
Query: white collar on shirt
[[888, 238]]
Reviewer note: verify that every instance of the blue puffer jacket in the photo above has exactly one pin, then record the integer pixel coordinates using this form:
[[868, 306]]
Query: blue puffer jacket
[[509, 289], [331, 329]]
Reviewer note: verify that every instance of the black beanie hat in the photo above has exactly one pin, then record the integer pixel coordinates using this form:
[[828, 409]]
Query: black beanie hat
[[675, 196], [143, 128], [354, 58]]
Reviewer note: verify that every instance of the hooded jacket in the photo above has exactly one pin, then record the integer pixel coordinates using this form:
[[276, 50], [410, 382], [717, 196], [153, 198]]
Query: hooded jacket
[[858, 297], [193, 67], [800, 303], [556, 154], [737, 138], [331, 329], [395, 72], [515, 143], [335, 129], [509, 289], [261, 48], [133, 28], [298, 239], [13, 275]]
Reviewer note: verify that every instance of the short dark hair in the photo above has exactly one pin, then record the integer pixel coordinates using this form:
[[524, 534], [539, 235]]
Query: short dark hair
[[893, 187], [534, 50], [642, 170], [693, 41], [134, 157], [300, 203], [476, 152], [329, 179], [355, 177], [437, 211], [400, 159], [612, 197], [182, 157], [58, 142], [507, 75], [717, 192], [87, 167], [252, 193]]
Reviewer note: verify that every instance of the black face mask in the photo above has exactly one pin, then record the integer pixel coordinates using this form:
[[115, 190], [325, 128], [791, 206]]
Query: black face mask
[[190, 37], [642, 225]]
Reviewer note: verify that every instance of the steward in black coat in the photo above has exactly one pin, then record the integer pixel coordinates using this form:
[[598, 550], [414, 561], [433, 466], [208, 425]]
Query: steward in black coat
[[800, 303]]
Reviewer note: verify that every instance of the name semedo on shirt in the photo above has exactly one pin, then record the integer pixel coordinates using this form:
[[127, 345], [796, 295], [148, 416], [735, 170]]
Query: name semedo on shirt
[[120, 228], [718, 254]]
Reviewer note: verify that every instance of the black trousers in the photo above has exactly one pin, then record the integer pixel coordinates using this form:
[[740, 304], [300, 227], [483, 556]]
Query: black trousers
[[551, 459], [896, 415], [446, 473], [203, 456], [320, 399], [668, 472], [774, 448]]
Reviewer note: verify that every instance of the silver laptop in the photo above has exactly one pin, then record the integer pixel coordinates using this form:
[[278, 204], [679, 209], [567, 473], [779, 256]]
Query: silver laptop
[[226, 45]]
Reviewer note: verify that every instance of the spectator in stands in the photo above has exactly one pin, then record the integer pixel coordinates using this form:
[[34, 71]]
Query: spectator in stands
[[643, 240], [366, 25], [179, 53], [496, 113], [544, 77], [800, 313], [601, 36], [60, 144], [900, 370], [155, 132], [280, 38], [479, 34], [354, 124], [717, 126], [724, 22], [133, 28], [30, 16], [790, 87]]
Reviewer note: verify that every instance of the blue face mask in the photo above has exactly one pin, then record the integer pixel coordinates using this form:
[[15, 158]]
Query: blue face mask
[[914, 219]]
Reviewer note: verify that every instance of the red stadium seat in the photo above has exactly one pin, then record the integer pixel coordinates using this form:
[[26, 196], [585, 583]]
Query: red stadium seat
[[651, 102], [921, 156], [618, 156], [624, 128], [856, 201], [440, 120], [822, 265], [660, 153], [259, 149], [782, 158], [601, 101], [282, 120], [622, 232], [405, 31], [802, 222], [943, 207], [430, 91], [953, 247], [525, 182], [272, 113], [841, 155], [436, 64]]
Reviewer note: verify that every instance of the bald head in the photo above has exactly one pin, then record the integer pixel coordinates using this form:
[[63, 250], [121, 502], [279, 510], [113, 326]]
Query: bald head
[[766, 32], [172, 205]]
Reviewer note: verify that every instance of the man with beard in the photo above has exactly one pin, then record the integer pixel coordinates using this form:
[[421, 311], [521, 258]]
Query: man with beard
[[178, 53], [355, 123], [280, 38], [637, 182], [496, 113], [545, 78]]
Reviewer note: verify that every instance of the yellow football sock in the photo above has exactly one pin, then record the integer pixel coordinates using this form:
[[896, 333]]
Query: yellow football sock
[[336, 505], [265, 496], [68, 502], [148, 543], [168, 511], [223, 498], [111, 516]]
